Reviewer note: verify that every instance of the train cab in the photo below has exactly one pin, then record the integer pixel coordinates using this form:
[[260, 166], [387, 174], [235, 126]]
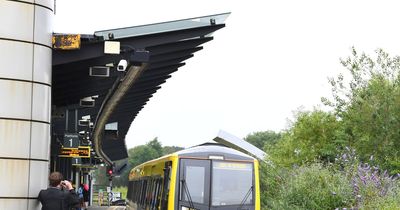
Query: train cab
[[205, 177]]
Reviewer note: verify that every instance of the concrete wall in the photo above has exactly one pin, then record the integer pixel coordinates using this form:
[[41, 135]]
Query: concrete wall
[[25, 101]]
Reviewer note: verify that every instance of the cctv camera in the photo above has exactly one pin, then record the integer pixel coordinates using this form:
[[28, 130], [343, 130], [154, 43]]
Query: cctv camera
[[122, 65], [87, 102], [84, 122]]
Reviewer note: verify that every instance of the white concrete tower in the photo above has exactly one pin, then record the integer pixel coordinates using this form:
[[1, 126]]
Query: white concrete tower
[[25, 100]]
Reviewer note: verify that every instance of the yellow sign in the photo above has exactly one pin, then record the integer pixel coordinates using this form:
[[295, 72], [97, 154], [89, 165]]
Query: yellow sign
[[81, 151], [231, 165], [66, 41], [87, 166]]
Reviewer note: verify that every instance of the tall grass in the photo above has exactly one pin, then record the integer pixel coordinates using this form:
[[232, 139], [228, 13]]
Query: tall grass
[[345, 184]]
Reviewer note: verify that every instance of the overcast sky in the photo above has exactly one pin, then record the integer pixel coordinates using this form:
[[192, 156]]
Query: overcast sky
[[271, 58]]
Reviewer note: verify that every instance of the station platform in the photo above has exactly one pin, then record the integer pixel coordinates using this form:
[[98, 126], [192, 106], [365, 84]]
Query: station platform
[[106, 208]]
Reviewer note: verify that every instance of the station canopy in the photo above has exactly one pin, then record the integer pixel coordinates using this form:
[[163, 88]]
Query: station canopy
[[157, 50]]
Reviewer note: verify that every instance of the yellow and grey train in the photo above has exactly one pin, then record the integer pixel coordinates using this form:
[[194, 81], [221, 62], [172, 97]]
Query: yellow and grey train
[[208, 176]]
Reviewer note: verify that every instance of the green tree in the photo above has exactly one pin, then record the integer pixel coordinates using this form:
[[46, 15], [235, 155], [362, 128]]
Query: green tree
[[143, 153], [313, 136], [138, 155], [259, 139], [171, 149], [156, 146], [368, 105], [100, 175]]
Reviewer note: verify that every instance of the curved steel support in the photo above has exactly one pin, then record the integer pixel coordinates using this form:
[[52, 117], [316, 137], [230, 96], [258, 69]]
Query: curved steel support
[[109, 106]]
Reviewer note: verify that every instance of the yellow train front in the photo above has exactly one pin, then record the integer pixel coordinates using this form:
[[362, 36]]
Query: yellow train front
[[208, 176]]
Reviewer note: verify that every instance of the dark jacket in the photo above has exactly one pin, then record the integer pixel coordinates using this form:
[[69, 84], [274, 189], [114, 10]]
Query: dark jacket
[[85, 195], [57, 199]]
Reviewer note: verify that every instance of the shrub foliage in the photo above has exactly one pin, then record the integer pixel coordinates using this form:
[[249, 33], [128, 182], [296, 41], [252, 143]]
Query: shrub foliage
[[314, 162]]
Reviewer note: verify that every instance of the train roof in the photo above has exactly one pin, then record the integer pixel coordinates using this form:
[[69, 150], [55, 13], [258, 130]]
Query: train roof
[[213, 149], [204, 151]]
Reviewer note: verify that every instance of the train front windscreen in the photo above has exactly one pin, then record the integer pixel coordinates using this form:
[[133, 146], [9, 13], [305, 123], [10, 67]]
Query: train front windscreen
[[209, 184], [232, 183]]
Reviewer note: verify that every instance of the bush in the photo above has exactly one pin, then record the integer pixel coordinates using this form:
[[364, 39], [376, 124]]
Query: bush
[[313, 136], [307, 187], [373, 188], [271, 179], [315, 187], [346, 183], [388, 202]]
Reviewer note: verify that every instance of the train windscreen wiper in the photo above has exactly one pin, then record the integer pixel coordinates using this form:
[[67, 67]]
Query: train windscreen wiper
[[245, 197], [186, 189]]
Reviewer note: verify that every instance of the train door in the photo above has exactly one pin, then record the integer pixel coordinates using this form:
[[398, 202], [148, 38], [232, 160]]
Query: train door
[[194, 184]]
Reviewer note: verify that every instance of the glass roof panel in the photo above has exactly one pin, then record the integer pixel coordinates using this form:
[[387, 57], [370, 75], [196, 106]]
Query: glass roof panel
[[163, 27]]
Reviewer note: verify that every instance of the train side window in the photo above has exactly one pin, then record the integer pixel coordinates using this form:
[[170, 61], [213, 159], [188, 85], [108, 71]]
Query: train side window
[[159, 188], [134, 191], [154, 193], [148, 183], [130, 189], [146, 195], [137, 191], [150, 192], [158, 200], [143, 192]]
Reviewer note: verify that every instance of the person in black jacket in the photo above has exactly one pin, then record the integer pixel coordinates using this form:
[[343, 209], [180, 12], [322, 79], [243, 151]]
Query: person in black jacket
[[86, 195], [60, 195]]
